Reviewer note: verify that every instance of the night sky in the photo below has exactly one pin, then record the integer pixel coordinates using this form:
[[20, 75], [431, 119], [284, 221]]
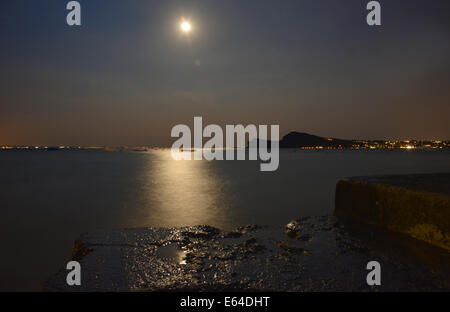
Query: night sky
[[128, 75]]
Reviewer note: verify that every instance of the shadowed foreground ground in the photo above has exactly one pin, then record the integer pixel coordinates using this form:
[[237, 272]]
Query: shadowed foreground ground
[[309, 254]]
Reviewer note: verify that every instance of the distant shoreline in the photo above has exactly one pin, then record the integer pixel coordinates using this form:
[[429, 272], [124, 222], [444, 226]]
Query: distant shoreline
[[295, 140]]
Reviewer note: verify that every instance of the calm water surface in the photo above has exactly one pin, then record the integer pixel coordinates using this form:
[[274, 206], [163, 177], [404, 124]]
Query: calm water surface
[[49, 198]]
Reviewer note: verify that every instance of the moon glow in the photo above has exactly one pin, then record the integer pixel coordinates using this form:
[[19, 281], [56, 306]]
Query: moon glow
[[185, 26]]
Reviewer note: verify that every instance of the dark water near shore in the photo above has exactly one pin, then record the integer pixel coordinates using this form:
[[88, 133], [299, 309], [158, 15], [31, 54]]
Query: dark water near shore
[[48, 198]]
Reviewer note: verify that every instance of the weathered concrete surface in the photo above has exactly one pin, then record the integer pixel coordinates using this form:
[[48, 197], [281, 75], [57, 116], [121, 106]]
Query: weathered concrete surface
[[416, 205], [308, 254]]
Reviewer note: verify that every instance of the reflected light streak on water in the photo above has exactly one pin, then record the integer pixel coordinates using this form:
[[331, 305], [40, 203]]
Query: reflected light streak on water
[[187, 192]]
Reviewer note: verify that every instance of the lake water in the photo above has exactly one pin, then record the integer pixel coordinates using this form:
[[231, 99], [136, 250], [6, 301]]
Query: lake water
[[48, 199]]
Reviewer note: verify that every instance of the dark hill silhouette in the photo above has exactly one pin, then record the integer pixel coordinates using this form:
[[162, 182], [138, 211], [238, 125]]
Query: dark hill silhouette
[[300, 139]]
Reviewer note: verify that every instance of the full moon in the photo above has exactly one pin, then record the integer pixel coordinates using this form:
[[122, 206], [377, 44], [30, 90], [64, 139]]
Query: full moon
[[185, 26]]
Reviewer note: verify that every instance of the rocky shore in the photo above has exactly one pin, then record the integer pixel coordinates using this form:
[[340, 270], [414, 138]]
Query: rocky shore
[[308, 254]]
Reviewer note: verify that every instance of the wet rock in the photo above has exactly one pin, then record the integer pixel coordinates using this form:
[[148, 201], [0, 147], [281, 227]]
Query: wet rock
[[293, 250], [251, 245], [80, 251], [248, 228], [232, 234], [250, 241], [324, 256], [304, 237], [293, 226], [294, 230], [202, 232]]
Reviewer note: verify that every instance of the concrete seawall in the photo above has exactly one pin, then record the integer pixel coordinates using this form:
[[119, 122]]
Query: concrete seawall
[[416, 205]]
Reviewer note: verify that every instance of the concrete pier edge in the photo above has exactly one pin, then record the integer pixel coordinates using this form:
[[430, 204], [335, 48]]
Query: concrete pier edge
[[415, 205]]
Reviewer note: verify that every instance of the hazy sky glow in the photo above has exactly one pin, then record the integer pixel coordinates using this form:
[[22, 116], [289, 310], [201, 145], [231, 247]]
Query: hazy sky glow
[[128, 74]]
